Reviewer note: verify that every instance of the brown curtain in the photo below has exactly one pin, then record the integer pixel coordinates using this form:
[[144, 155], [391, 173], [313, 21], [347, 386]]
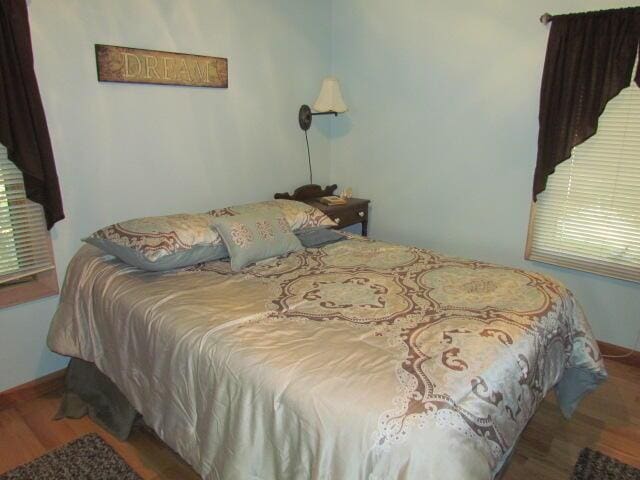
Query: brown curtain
[[23, 126], [590, 58]]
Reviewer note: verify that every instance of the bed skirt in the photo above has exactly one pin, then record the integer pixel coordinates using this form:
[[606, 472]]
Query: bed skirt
[[88, 391]]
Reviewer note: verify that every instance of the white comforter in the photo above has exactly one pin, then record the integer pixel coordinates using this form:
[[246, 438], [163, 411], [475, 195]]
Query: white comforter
[[359, 360]]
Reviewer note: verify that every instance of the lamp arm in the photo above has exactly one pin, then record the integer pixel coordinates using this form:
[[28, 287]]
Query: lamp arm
[[305, 114]]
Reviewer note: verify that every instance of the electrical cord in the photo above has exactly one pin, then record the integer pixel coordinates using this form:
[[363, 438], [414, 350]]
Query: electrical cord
[[631, 351], [309, 155]]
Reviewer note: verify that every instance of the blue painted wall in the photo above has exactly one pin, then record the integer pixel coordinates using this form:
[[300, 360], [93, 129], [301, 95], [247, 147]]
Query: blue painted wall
[[442, 131], [126, 150]]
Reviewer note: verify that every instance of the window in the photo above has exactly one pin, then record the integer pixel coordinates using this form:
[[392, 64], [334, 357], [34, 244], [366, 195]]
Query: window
[[588, 218], [26, 259]]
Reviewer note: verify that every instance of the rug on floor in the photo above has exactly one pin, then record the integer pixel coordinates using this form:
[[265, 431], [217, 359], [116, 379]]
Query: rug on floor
[[87, 458], [593, 465]]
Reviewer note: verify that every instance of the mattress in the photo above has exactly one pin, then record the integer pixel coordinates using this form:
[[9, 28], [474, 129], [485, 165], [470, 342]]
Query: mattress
[[357, 360]]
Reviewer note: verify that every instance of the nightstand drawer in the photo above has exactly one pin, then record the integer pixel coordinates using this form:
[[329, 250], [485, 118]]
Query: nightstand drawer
[[347, 217]]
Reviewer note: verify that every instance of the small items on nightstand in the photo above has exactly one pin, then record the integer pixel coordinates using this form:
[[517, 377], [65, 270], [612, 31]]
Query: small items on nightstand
[[346, 194], [332, 200], [351, 212]]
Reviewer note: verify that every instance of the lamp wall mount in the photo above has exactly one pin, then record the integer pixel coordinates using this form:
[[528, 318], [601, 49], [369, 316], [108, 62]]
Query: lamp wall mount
[[305, 115]]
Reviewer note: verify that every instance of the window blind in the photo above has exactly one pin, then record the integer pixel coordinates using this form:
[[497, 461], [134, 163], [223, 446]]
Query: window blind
[[588, 218], [24, 240]]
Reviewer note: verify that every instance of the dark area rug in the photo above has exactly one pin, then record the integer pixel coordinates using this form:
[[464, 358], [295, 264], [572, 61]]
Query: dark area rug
[[87, 458], [592, 465]]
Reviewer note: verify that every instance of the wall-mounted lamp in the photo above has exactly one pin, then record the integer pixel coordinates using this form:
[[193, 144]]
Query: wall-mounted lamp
[[329, 102]]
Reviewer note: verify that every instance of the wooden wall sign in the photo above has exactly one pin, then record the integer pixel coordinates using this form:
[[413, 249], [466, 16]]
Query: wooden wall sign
[[136, 65]]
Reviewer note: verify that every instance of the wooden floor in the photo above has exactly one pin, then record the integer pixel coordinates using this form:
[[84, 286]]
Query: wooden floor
[[608, 420]]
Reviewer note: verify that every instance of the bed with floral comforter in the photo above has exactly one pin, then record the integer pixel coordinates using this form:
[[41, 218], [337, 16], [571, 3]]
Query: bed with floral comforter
[[358, 360]]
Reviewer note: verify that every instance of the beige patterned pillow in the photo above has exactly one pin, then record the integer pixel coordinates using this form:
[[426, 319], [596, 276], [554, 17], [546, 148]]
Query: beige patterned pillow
[[157, 237], [246, 209], [302, 216], [299, 215]]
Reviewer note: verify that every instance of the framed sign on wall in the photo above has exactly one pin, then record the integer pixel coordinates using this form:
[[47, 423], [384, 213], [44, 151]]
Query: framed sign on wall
[[137, 65]]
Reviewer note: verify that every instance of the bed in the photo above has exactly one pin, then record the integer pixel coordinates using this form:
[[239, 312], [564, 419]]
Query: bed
[[358, 360]]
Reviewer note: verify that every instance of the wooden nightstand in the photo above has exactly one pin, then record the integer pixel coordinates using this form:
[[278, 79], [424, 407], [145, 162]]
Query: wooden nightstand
[[356, 210]]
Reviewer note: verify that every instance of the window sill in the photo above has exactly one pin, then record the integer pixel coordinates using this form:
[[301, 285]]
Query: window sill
[[584, 265], [43, 285]]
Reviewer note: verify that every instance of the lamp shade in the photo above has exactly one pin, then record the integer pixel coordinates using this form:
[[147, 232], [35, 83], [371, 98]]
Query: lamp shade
[[330, 97]]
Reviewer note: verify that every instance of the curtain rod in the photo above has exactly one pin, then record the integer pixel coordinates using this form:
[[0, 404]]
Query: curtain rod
[[545, 18]]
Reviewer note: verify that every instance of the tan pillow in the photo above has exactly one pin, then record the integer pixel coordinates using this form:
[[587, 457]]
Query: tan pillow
[[299, 215], [302, 216], [161, 243]]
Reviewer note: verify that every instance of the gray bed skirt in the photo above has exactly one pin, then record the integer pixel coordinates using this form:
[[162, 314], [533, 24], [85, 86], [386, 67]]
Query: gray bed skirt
[[90, 392]]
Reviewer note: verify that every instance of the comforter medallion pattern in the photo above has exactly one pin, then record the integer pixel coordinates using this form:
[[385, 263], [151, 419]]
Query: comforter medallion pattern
[[390, 361]]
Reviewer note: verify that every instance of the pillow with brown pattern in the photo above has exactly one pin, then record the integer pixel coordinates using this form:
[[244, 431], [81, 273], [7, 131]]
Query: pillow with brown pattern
[[161, 243], [299, 215]]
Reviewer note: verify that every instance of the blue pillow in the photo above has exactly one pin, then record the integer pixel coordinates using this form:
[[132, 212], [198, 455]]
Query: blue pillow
[[253, 237], [318, 237], [179, 259]]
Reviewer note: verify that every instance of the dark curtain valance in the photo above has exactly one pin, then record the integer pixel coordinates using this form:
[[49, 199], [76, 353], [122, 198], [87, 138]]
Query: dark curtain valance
[[590, 58], [23, 126]]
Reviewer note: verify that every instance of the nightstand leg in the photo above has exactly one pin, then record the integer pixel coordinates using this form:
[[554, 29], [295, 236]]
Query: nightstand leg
[[365, 228]]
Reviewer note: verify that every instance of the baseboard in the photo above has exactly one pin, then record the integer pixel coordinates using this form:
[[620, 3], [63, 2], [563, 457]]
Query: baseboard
[[33, 389], [615, 350]]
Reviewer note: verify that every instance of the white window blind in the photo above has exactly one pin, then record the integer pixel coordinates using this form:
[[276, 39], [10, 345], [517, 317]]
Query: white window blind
[[24, 241], [588, 218]]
